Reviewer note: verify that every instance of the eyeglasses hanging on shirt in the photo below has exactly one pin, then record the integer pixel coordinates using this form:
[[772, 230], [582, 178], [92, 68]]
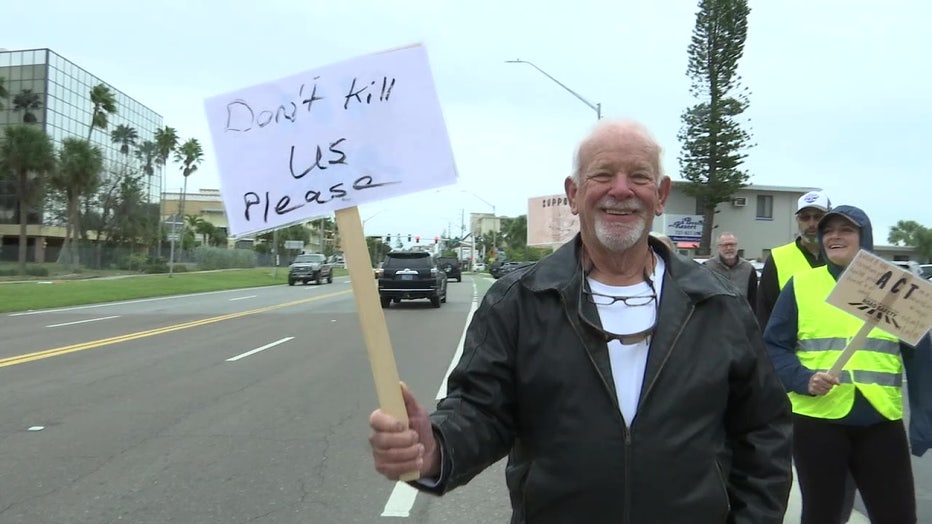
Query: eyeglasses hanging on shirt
[[600, 299]]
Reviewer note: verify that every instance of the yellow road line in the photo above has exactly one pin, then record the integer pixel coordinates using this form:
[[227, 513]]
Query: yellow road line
[[64, 350]]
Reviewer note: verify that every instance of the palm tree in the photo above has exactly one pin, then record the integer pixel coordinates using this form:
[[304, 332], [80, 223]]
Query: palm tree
[[27, 102], [78, 175], [189, 155], [27, 154], [201, 227], [166, 140], [3, 92], [146, 153], [125, 136], [104, 102]]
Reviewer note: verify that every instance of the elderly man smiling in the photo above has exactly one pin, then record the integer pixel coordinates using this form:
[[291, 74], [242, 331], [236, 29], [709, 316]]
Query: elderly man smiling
[[624, 382]]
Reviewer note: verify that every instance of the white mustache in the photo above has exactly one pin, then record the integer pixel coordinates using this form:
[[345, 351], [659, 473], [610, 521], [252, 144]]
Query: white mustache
[[621, 207]]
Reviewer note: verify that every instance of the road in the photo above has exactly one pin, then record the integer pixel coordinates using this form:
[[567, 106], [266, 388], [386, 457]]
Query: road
[[227, 407]]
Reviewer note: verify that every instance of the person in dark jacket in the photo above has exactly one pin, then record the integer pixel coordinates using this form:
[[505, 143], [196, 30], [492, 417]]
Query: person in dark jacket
[[849, 423], [625, 383], [737, 270]]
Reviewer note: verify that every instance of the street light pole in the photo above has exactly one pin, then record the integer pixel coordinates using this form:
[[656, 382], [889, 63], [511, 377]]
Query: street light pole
[[595, 107]]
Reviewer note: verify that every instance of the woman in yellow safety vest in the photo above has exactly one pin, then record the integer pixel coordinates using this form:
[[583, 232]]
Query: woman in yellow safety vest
[[854, 421]]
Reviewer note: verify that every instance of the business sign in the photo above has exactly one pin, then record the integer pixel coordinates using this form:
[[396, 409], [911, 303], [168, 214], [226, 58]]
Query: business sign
[[550, 221], [683, 228], [329, 138], [881, 293]]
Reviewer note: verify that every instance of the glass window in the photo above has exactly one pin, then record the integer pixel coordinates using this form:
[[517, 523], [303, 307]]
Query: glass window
[[765, 207]]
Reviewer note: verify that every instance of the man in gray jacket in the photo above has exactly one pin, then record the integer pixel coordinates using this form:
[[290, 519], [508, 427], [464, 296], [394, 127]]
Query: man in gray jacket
[[624, 382], [737, 270]]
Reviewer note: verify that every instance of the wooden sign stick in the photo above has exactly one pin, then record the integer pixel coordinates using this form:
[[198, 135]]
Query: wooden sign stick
[[856, 342], [372, 318]]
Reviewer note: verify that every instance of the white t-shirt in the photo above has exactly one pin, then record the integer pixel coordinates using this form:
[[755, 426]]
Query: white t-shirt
[[629, 361]]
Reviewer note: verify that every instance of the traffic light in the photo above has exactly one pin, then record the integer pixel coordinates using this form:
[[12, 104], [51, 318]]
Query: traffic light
[[409, 237], [436, 240], [388, 239], [417, 239]]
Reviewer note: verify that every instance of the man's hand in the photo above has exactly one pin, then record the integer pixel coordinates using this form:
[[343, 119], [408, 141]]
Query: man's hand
[[821, 383], [397, 449]]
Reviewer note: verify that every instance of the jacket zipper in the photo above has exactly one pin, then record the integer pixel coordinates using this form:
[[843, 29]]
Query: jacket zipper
[[663, 364], [627, 517]]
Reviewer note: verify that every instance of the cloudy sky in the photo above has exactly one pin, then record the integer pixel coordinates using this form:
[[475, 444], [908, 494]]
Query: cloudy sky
[[841, 90]]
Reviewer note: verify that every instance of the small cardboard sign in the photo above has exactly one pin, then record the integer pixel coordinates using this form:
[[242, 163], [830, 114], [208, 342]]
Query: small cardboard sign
[[881, 293], [329, 138]]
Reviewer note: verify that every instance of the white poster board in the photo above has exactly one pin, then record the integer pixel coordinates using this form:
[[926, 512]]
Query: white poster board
[[550, 220], [886, 296], [329, 138]]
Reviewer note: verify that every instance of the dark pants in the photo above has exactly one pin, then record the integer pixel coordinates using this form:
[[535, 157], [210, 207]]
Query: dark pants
[[877, 457]]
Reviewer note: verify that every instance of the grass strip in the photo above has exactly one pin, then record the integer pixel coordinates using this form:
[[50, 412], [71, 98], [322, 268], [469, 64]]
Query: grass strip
[[45, 294]]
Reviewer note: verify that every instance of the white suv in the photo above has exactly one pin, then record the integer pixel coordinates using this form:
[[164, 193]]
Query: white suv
[[911, 266], [926, 270]]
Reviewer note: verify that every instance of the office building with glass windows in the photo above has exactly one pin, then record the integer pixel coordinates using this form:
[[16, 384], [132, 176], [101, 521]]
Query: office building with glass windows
[[47, 90]]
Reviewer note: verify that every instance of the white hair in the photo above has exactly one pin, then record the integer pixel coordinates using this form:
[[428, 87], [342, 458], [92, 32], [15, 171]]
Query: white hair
[[621, 125]]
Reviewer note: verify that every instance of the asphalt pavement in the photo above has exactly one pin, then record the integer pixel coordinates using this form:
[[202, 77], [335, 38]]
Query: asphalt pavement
[[228, 407]]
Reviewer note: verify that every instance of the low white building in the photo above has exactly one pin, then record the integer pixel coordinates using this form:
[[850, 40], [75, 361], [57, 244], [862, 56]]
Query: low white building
[[762, 217]]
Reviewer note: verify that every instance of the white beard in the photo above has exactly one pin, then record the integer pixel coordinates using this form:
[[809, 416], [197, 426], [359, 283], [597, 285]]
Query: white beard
[[620, 237]]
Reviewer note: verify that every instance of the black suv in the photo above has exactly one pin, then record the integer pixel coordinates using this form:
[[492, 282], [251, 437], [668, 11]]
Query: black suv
[[500, 269], [451, 266], [408, 275], [311, 266]]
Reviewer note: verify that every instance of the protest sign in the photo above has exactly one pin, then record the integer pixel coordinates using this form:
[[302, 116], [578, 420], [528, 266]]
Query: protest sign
[[338, 136], [327, 140], [884, 296]]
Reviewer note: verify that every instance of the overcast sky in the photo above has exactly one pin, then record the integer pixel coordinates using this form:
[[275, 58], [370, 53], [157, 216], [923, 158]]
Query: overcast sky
[[841, 90]]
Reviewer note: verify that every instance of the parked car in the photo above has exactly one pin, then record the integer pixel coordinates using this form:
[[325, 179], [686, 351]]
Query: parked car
[[410, 275], [311, 266], [926, 270], [758, 267], [508, 267], [478, 267], [909, 265], [452, 267]]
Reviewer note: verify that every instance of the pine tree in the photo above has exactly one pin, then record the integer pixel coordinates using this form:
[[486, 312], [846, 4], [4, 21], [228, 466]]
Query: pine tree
[[713, 141]]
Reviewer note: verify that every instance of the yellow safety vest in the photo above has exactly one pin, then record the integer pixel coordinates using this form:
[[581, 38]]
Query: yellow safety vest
[[875, 370], [788, 260]]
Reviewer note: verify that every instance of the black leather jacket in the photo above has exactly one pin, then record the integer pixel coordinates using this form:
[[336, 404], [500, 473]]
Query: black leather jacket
[[711, 439]]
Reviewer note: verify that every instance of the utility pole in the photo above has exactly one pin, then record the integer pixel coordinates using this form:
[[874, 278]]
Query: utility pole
[[275, 252], [172, 237]]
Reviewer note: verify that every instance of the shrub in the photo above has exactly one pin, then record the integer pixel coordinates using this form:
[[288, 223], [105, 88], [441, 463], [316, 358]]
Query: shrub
[[155, 265], [133, 262], [37, 271], [208, 258]]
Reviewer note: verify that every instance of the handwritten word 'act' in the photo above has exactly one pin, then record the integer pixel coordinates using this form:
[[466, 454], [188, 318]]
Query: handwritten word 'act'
[[897, 286], [284, 204]]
